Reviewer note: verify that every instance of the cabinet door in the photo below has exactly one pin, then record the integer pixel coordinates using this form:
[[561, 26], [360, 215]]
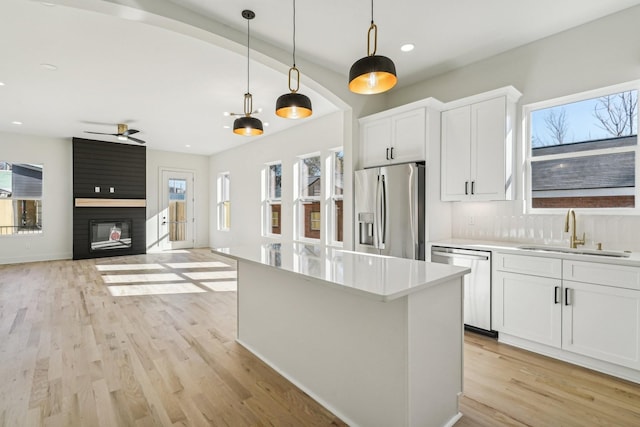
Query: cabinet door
[[376, 142], [602, 322], [408, 136], [456, 152], [488, 151], [527, 307]]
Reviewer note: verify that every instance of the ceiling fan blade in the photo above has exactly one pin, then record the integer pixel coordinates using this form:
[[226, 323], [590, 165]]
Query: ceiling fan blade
[[130, 132], [102, 133], [139, 141]]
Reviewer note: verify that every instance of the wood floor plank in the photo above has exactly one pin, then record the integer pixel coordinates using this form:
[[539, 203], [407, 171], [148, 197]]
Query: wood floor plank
[[73, 354]]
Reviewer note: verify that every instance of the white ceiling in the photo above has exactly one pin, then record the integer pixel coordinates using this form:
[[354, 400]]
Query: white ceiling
[[174, 87]]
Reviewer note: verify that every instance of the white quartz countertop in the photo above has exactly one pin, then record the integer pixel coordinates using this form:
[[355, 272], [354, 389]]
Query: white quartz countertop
[[381, 277], [633, 258]]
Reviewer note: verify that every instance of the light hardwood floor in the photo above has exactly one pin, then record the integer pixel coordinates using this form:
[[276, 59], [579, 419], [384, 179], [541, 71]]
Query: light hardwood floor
[[113, 342]]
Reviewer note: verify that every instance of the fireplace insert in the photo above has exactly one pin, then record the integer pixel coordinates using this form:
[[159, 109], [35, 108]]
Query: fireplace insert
[[106, 235]]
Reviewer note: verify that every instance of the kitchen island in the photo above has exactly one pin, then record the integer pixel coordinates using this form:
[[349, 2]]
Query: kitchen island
[[377, 340]]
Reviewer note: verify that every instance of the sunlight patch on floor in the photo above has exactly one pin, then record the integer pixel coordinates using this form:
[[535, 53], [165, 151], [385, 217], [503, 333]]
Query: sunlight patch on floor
[[155, 289], [209, 275], [133, 278], [231, 286], [211, 264], [127, 267]]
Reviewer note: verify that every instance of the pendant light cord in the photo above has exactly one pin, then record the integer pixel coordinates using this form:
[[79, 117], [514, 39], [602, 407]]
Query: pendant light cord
[[248, 20], [294, 33], [371, 12]]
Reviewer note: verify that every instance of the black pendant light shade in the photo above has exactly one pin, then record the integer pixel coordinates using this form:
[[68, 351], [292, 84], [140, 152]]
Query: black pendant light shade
[[247, 125], [373, 73], [294, 105]]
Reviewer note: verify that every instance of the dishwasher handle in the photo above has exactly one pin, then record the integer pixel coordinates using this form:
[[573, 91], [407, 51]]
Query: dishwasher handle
[[459, 255]]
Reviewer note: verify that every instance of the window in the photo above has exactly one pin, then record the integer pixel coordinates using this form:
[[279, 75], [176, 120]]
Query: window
[[582, 150], [310, 185], [20, 198], [337, 190], [273, 205], [224, 203]]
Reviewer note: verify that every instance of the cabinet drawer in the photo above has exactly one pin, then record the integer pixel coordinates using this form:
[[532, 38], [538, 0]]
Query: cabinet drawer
[[533, 265], [620, 276]]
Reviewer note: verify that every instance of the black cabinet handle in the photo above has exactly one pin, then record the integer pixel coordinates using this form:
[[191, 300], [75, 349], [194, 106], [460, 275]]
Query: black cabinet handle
[[566, 297], [473, 187], [466, 187], [555, 295], [391, 153], [388, 154]]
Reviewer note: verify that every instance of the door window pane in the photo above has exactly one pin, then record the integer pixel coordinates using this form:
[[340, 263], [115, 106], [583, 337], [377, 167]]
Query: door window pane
[[224, 203], [177, 210]]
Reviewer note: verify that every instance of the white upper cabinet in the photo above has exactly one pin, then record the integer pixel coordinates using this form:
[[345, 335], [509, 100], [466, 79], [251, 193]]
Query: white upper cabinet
[[478, 147], [399, 135]]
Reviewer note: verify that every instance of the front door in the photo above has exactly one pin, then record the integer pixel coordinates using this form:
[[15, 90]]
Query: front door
[[176, 210]]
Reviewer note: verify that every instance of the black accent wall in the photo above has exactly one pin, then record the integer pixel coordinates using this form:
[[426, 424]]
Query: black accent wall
[[108, 165]]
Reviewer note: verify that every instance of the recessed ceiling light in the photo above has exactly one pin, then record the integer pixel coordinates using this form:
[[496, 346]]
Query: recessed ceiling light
[[265, 124], [1, 84], [226, 113], [407, 47], [49, 67], [15, 122], [188, 145], [226, 127]]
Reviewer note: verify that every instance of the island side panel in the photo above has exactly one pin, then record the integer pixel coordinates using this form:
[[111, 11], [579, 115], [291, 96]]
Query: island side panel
[[436, 334], [347, 351]]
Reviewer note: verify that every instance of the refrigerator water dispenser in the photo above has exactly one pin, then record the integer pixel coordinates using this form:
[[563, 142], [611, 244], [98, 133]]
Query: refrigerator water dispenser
[[365, 220]]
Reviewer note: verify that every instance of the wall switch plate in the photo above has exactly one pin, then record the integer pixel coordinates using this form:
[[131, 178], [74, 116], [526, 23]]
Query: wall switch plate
[[471, 220], [111, 190], [97, 189]]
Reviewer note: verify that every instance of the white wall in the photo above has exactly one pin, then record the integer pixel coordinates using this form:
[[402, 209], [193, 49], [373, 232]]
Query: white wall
[[598, 54], [55, 241], [199, 165], [245, 165]]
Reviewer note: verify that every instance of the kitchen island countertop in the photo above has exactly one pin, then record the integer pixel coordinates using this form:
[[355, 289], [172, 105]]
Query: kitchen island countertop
[[380, 277]]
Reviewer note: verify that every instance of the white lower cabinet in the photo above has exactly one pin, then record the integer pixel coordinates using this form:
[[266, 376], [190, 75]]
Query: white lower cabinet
[[602, 322], [526, 307], [534, 301]]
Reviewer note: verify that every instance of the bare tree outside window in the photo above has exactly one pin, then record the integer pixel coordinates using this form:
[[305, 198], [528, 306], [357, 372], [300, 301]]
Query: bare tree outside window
[[617, 113], [557, 126]]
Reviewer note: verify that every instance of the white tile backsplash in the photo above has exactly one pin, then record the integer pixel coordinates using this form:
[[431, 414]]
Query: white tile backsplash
[[504, 221]]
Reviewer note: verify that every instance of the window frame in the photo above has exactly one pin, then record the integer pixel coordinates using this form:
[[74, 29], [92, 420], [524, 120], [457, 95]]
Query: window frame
[[269, 201], [39, 207], [527, 147], [334, 199], [224, 201], [302, 199]]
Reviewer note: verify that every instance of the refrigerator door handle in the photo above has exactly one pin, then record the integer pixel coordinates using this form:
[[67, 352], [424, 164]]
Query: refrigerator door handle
[[376, 216], [412, 213], [382, 224]]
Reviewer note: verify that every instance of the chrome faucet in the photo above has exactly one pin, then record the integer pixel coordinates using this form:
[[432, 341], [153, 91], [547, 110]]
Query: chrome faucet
[[574, 241]]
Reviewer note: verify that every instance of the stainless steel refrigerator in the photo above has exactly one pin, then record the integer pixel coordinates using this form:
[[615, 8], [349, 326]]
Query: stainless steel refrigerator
[[390, 209]]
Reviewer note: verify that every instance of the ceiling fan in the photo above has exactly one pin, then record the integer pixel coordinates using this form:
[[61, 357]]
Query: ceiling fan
[[124, 134]]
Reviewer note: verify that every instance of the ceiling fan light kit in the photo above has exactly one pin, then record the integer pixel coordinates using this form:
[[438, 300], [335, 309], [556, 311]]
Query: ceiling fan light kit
[[373, 73], [294, 105], [247, 125]]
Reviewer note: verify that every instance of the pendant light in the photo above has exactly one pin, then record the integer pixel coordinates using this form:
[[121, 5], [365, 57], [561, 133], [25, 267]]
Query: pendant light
[[373, 73], [294, 105], [247, 125]]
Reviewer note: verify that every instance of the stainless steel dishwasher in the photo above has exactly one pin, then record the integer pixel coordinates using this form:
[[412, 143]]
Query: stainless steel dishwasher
[[477, 284]]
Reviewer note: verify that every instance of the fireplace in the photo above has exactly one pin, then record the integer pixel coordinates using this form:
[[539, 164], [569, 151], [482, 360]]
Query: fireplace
[[109, 235]]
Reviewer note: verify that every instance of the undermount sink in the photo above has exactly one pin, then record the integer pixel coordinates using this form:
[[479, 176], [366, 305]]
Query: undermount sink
[[579, 251]]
